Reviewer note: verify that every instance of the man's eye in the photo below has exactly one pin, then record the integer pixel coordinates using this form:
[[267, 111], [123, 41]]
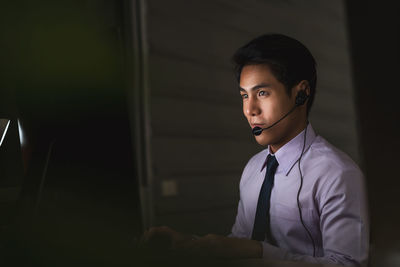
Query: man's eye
[[262, 93], [244, 96]]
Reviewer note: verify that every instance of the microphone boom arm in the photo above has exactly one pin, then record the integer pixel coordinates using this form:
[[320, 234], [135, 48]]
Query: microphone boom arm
[[258, 130]]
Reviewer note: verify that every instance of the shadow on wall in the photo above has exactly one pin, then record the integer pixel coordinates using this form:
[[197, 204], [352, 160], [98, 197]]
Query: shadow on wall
[[375, 53]]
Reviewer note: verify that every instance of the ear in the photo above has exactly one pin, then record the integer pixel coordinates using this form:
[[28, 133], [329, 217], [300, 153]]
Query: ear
[[302, 85]]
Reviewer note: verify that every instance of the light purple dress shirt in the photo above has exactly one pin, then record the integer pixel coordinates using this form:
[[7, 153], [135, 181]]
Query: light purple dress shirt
[[333, 203]]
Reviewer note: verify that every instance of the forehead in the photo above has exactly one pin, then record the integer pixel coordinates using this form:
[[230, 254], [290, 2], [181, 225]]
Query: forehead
[[253, 75]]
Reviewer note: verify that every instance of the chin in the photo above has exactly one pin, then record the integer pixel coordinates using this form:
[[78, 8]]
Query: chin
[[263, 140]]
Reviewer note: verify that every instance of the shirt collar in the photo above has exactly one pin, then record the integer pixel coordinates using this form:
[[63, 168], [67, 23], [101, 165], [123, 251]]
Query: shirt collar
[[289, 153]]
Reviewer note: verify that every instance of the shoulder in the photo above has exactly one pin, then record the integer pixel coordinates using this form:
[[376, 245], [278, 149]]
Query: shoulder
[[329, 158], [333, 169]]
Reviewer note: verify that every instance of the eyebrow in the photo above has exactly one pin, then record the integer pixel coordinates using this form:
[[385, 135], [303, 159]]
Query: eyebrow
[[255, 88]]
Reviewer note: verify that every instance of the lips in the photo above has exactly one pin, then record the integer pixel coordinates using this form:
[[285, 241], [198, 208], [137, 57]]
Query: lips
[[257, 125]]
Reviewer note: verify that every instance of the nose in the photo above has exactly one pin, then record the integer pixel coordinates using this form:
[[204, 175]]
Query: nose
[[252, 107]]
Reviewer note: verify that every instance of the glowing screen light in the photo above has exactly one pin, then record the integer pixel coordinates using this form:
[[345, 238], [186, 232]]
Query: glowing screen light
[[21, 134], [4, 123]]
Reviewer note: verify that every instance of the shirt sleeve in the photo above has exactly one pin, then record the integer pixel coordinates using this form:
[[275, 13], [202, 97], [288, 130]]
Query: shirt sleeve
[[238, 228], [343, 223]]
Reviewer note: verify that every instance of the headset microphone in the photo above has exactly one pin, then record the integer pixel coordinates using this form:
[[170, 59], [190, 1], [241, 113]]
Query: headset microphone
[[257, 130], [301, 98]]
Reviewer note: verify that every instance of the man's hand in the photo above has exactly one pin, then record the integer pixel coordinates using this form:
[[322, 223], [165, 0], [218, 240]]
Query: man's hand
[[208, 246]]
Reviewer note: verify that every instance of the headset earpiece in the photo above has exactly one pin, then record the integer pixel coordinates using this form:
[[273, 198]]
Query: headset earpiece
[[301, 98]]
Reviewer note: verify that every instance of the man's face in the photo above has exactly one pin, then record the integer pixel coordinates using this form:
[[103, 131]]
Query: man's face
[[265, 101]]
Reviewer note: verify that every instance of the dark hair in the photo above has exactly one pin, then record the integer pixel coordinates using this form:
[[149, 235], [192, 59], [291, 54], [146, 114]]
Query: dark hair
[[290, 61]]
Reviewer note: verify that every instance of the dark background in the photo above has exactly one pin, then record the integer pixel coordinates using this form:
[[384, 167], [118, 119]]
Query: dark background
[[70, 194], [374, 39]]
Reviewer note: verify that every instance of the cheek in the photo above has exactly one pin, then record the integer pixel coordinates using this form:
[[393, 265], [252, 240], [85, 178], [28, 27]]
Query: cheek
[[268, 108], [274, 107]]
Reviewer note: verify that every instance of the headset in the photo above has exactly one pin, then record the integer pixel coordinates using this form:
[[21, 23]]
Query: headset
[[298, 192], [301, 98]]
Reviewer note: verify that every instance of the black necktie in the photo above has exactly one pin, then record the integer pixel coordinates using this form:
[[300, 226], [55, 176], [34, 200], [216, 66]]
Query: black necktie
[[261, 221]]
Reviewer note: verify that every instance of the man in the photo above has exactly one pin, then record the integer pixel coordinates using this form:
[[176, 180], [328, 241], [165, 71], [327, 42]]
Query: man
[[300, 198]]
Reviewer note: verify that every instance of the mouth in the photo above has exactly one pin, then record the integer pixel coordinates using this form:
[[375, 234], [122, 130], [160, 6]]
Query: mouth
[[261, 125]]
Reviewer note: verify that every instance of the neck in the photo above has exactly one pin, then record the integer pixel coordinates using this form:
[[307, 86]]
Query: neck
[[298, 129]]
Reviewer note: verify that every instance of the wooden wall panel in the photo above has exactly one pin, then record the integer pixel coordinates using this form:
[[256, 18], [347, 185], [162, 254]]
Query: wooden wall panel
[[202, 193], [191, 155], [187, 118], [180, 78], [203, 42]]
